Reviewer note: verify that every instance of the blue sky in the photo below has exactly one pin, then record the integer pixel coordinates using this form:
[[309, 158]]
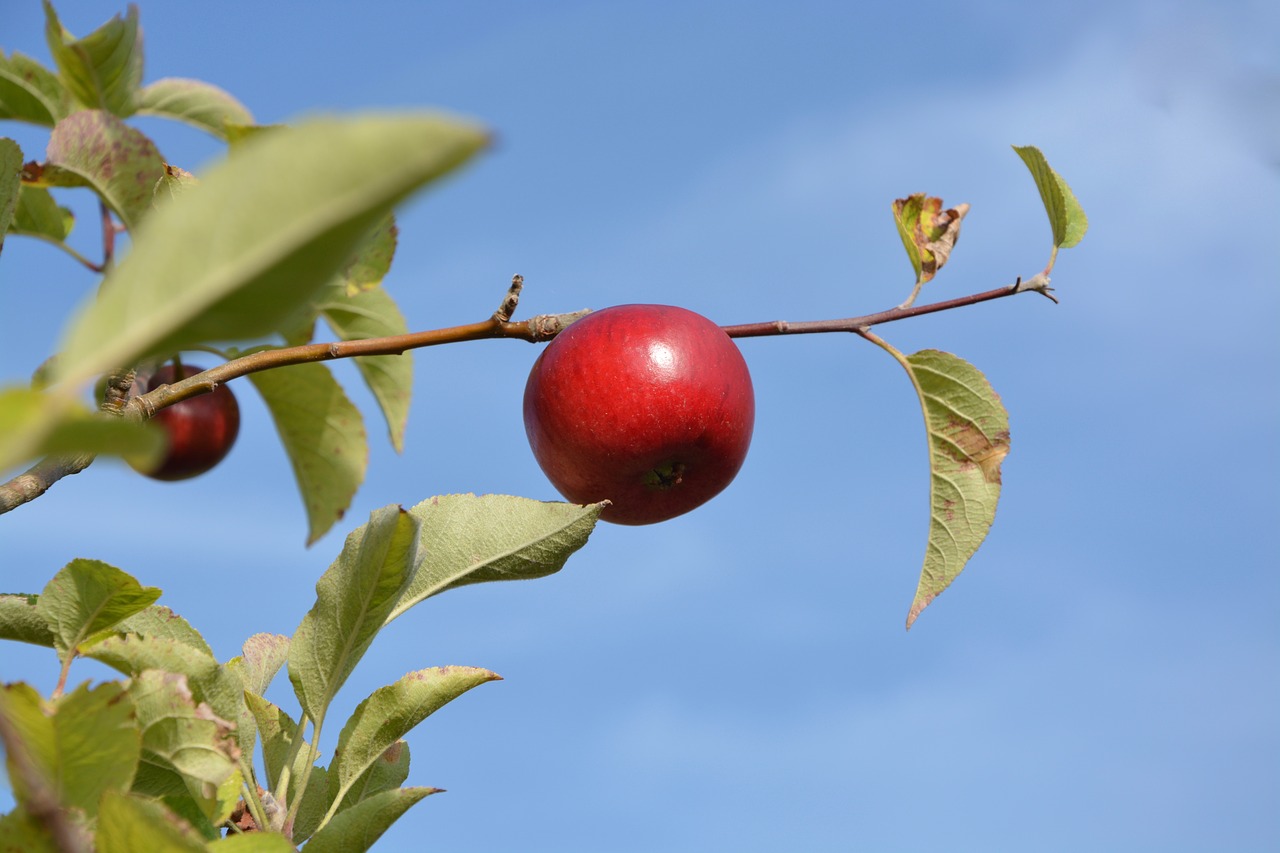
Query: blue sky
[[1106, 673]]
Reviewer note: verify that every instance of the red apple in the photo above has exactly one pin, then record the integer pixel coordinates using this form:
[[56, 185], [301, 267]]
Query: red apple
[[647, 406], [201, 430]]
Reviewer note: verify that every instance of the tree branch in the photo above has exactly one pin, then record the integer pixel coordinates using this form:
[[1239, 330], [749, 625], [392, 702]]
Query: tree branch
[[37, 480]]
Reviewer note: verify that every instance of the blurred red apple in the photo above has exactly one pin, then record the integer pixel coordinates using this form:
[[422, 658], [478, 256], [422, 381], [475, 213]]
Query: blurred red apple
[[201, 430]]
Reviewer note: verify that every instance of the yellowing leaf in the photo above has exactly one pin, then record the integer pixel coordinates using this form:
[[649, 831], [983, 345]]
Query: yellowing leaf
[[928, 233]]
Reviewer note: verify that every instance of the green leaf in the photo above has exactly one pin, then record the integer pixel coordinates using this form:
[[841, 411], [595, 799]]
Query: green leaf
[[185, 738], [87, 746], [210, 682], [279, 731], [103, 70], [38, 215], [30, 92], [356, 829], [130, 824], [304, 198], [968, 430], [353, 599], [391, 712], [119, 163], [466, 539], [199, 104], [160, 622], [253, 842], [373, 314], [261, 658], [323, 435], [20, 620], [86, 599], [388, 771], [10, 183], [1066, 216], [262, 655]]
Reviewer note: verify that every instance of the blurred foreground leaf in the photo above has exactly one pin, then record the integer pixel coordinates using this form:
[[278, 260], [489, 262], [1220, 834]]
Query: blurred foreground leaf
[[85, 745], [240, 252]]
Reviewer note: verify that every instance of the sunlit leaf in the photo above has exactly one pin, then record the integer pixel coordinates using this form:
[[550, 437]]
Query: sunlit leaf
[[158, 621], [303, 198], [262, 656], [103, 70], [390, 770], [323, 434], [968, 430], [88, 745], [466, 539], [131, 824], [353, 599], [185, 738], [356, 829], [374, 314], [86, 599], [30, 92], [391, 712], [117, 161], [194, 102], [209, 681], [1066, 216]]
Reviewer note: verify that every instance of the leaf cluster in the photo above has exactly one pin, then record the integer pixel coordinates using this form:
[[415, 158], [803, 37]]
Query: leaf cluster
[[163, 759], [294, 227]]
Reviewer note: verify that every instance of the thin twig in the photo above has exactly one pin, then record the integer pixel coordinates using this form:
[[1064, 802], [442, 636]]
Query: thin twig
[[36, 481]]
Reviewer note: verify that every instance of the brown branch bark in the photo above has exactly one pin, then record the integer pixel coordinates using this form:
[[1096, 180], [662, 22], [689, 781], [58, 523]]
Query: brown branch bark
[[36, 481]]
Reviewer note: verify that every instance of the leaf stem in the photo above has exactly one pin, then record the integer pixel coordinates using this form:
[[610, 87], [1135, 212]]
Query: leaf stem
[[313, 752]]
